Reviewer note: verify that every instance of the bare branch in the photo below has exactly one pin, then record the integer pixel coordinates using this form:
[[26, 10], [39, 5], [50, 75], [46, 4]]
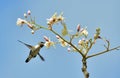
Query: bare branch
[[105, 51]]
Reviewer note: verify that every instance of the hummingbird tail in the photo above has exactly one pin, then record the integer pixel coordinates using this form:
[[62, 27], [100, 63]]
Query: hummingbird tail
[[27, 60]]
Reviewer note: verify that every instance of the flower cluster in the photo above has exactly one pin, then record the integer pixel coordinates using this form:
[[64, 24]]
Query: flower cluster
[[83, 46], [83, 43], [96, 35], [20, 22], [54, 19], [30, 24], [81, 31]]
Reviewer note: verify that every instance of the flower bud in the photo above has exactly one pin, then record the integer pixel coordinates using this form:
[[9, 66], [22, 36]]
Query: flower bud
[[68, 49], [46, 38], [98, 30], [32, 31], [78, 27], [25, 15], [99, 37], [29, 12], [57, 37]]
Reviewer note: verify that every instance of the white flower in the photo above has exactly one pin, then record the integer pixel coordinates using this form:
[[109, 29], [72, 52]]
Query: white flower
[[54, 19], [63, 43], [60, 18], [48, 42], [84, 32], [80, 42], [20, 22]]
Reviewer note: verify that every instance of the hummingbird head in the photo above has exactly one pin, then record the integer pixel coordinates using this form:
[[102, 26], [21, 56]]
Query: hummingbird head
[[41, 44]]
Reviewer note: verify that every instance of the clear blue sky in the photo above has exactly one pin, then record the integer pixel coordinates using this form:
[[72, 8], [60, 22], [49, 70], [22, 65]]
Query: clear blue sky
[[59, 63]]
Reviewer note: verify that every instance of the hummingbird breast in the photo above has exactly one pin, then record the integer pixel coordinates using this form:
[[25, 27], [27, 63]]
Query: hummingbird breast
[[35, 51]]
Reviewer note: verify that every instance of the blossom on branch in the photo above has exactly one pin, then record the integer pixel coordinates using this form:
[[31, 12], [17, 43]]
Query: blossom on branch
[[80, 42], [78, 27], [68, 49], [81, 32], [54, 19], [25, 15], [29, 12], [32, 26], [63, 43], [20, 22], [48, 42], [84, 32]]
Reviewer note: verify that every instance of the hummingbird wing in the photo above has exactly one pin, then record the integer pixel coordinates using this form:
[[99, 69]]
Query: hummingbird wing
[[29, 46], [41, 57]]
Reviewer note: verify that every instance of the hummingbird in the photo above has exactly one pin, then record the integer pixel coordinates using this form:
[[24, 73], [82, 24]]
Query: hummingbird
[[34, 51]]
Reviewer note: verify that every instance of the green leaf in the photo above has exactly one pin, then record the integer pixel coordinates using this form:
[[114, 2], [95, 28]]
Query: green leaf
[[64, 30]]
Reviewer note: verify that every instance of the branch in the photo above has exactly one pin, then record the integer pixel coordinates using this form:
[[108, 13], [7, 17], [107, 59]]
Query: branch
[[105, 51], [71, 38], [84, 68], [62, 39], [68, 42], [91, 44]]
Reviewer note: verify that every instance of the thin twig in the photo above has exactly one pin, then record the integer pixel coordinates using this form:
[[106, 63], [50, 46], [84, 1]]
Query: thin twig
[[105, 51], [71, 38], [91, 44]]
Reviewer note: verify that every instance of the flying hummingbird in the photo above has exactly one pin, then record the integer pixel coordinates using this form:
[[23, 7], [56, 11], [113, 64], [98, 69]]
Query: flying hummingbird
[[34, 50]]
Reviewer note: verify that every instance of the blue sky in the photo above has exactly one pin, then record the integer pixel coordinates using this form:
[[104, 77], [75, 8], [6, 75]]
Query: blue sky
[[59, 63]]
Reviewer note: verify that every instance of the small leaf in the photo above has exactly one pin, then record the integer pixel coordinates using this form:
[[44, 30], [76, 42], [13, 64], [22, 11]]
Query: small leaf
[[64, 30]]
